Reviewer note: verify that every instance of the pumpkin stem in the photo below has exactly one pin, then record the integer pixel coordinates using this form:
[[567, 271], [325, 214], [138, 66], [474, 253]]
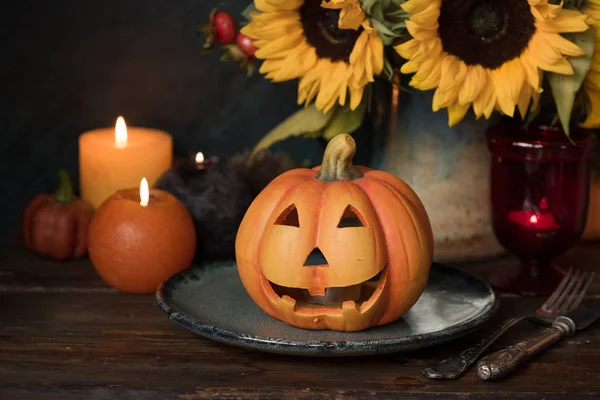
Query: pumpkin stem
[[337, 160], [64, 193]]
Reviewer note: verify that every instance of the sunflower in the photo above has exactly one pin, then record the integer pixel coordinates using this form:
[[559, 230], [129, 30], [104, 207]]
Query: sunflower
[[351, 14], [487, 53], [300, 39], [591, 83]]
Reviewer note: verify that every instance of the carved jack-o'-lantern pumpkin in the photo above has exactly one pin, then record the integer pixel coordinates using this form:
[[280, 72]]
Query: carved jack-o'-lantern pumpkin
[[336, 247]]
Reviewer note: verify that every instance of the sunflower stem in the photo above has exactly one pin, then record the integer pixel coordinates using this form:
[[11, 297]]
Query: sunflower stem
[[337, 160]]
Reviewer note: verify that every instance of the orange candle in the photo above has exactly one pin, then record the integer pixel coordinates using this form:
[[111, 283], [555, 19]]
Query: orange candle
[[138, 238], [115, 158]]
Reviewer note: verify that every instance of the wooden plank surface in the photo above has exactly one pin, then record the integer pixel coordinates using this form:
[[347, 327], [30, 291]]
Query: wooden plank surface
[[65, 335]]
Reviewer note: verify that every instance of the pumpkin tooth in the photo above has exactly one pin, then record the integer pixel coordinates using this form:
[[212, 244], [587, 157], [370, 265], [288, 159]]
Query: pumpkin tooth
[[288, 302], [317, 291], [350, 309]]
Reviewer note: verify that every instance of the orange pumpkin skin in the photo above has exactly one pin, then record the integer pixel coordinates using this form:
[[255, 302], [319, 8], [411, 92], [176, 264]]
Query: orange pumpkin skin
[[395, 241], [55, 226], [55, 229]]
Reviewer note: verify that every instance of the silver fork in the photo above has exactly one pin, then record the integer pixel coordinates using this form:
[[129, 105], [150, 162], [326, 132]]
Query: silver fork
[[567, 296]]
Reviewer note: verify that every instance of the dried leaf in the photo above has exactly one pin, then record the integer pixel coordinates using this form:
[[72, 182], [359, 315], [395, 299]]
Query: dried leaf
[[565, 87], [388, 17], [308, 122], [344, 120], [246, 12]]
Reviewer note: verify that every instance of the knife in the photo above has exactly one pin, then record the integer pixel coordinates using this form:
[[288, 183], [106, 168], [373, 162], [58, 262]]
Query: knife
[[501, 363]]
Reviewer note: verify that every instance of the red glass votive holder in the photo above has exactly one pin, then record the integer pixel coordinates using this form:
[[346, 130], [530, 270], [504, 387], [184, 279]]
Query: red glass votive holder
[[539, 194]]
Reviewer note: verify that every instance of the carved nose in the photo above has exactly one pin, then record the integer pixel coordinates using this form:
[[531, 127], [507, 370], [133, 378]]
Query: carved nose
[[315, 258]]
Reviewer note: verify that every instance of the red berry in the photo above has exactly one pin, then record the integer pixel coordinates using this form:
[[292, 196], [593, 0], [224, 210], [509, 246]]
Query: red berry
[[224, 27], [246, 44]]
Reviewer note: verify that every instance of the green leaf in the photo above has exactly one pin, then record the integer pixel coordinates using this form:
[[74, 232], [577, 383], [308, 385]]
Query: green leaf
[[308, 122], [388, 70], [388, 17], [345, 120], [382, 29], [565, 87], [246, 12]]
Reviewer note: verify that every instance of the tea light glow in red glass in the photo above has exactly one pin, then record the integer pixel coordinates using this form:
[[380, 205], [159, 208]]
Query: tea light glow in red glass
[[539, 195]]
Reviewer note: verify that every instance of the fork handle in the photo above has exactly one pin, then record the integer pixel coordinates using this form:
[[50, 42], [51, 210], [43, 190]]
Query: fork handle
[[454, 367], [501, 363]]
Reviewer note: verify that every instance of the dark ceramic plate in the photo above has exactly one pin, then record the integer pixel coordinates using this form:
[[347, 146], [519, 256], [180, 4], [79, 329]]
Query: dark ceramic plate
[[211, 302]]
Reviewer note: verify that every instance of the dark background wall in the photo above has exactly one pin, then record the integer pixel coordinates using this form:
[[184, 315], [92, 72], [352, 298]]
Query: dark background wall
[[69, 66]]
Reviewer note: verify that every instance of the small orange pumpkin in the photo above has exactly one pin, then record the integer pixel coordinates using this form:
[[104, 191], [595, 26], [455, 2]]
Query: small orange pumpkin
[[335, 247]]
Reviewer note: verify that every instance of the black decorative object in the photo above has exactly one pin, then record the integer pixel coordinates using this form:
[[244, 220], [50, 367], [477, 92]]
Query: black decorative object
[[258, 171], [216, 197]]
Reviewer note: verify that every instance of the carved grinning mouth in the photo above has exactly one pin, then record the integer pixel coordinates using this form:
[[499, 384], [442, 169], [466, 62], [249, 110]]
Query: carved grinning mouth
[[358, 298]]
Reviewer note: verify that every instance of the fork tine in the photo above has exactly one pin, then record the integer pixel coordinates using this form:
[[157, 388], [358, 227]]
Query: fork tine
[[548, 306], [568, 292], [578, 298], [574, 294]]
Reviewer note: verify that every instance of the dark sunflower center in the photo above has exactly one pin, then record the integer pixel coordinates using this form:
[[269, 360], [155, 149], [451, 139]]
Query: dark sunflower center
[[486, 19], [485, 32], [321, 30]]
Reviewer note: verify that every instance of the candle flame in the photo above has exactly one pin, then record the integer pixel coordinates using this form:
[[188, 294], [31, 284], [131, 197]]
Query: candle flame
[[533, 219], [144, 192], [199, 157], [121, 132]]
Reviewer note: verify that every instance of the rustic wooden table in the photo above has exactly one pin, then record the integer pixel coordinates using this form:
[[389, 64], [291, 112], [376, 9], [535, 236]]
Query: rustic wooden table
[[65, 335]]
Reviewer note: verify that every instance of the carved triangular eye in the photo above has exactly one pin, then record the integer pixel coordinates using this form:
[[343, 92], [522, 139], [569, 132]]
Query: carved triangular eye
[[351, 219], [289, 217]]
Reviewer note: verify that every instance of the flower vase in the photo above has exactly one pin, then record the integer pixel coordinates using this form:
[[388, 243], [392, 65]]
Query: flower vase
[[592, 227], [448, 168]]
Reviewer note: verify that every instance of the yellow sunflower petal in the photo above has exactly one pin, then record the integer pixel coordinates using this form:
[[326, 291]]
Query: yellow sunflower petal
[[428, 76], [351, 16], [356, 97], [563, 45], [532, 73], [479, 103], [565, 21], [592, 80], [449, 69], [330, 88], [541, 53], [407, 49], [456, 112], [489, 101], [475, 80], [359, 48], [428, 17], [279, 47], [307, 95], [524, 100], [443, 99], [593, 119], [264, 6], [499, 80], [421, 32], [284, 4], [309, 58], [514, 70], [275, 17], [409, 67], [416, 6], [377, 54], [561, 67]]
